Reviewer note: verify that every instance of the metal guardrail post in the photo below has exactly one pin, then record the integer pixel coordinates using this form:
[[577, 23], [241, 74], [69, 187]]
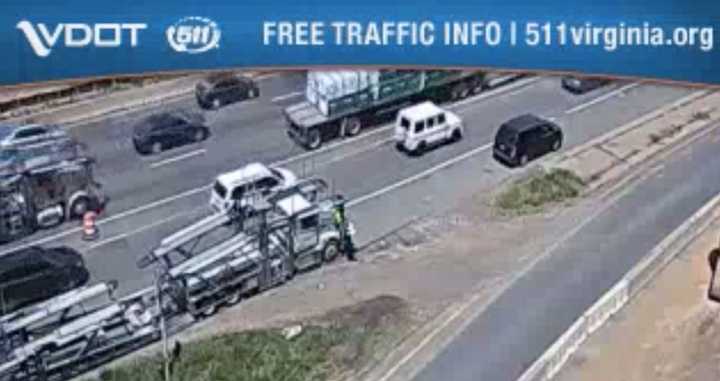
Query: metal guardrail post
[[163, 327]]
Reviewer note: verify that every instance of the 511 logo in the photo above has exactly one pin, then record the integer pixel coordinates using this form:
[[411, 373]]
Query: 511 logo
[[193, 35]]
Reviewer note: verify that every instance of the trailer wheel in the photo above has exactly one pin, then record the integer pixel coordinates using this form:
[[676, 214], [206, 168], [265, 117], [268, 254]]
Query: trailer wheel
[[315, 140], [331, 251], [235, 297], [352, 126], [209, 311]]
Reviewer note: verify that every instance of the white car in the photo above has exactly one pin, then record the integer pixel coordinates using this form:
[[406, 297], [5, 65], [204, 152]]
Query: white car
[[247, 185], [13, 136], [425, 125]]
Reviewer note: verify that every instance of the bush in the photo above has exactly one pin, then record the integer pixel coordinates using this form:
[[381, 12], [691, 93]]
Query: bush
[[555, 186]]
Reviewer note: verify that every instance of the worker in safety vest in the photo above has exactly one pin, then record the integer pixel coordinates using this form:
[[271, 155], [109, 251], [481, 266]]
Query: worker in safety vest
[[346, 244]]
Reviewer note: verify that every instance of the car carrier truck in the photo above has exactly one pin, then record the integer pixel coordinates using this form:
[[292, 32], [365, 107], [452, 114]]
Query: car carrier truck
[[293, 232], [341, 103]]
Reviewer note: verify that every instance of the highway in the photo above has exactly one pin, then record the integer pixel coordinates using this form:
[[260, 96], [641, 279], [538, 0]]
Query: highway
[[533, 312], [153, 196]]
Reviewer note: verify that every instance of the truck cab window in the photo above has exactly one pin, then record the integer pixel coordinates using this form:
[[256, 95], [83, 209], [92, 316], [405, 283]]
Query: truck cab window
[[309, 222]]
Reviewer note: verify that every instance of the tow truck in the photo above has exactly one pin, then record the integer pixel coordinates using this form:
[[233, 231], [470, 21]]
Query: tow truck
[[290, 231], [46, 193]]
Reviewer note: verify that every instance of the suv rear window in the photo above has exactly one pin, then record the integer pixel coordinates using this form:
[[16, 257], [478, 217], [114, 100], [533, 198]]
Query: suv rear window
[[220, 189], [506, 134]]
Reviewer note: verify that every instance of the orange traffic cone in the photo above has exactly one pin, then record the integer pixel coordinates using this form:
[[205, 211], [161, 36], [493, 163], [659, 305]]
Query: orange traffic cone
[[90, 230]]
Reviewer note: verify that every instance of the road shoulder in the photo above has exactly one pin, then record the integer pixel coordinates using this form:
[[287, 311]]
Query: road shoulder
[[668, 332]]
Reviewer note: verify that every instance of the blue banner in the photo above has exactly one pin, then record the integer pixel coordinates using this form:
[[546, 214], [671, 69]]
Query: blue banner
[[660, 39]]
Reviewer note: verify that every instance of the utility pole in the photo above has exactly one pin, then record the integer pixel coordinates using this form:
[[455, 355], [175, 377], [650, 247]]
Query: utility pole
[[163, 328]]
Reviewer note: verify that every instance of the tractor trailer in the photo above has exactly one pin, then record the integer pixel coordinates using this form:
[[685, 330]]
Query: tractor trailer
[[342, 103]]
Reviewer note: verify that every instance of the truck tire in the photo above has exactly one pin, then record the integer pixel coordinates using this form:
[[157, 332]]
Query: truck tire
[[79, 207], [457, 91], [352, 126], [331, 251], [209, 310], [235, 296], [314, 139]]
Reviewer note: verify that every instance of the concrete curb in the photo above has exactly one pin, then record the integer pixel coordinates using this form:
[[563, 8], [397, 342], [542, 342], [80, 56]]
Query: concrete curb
[[637, 123], [551, 362]]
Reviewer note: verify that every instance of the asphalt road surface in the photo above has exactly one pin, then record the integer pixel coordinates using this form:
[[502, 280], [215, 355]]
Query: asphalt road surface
[[153, 196], [529, 316]]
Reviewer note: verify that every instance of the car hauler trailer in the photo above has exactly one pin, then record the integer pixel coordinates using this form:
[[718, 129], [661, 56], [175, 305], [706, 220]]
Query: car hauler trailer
[[292, 233], [82, 340], [41, 196], [190, 240], [22, 326], [341, 103]]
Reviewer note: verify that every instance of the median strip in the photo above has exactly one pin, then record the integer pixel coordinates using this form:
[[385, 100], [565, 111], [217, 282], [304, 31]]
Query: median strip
[[611, 156]]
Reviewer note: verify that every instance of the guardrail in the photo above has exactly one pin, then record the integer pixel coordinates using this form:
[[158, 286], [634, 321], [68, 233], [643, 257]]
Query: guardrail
[[68, 92], [551, 362]]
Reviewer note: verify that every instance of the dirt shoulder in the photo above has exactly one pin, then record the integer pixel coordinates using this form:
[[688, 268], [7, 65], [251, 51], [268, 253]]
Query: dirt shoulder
[[429, 265], [669, 332]]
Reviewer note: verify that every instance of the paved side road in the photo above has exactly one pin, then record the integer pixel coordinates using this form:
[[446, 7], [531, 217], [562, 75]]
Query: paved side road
[[518, 326]]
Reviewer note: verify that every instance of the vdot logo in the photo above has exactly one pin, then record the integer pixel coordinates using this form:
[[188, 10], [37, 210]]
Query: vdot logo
[[76, 35], [193, 35]]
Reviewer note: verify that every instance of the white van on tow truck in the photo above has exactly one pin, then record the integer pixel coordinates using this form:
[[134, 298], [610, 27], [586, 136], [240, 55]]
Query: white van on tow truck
[[244, 187], [425, 125]]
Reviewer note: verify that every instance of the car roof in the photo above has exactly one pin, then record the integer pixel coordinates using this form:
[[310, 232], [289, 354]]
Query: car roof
[[245, 174], [21, 257], [217, 77], [421, 111], [522, 123]]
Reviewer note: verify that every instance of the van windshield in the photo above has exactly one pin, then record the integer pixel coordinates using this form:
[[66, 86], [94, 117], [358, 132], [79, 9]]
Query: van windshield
[[220, 189], [404, 123]]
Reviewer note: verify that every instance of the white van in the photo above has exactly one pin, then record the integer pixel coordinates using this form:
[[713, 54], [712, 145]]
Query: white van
[[248, 185], [425, 125]]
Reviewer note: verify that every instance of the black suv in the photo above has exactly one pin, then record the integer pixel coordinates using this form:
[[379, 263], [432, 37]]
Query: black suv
[[526, 137], [221, 89], [34, 274], [161, 131], [578, 85]]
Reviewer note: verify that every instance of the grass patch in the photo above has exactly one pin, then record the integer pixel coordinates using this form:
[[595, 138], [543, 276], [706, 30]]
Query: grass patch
[[532, 194], [341, 342]]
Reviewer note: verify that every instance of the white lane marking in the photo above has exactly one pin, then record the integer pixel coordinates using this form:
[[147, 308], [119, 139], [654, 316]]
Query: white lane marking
[[416, 177], [301, 156], [351, 203], [430, 337], [524, 271], [601, 98], [138, 230], [286, 96], [174, 159]]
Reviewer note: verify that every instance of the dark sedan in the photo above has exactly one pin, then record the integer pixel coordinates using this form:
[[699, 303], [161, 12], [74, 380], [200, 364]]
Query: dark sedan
[[162, 131], [578, 85], [223, 89], [34, 274]]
